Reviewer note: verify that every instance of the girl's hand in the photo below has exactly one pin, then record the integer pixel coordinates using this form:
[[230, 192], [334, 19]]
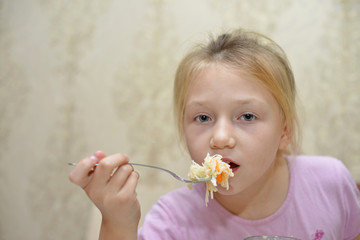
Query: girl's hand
[[112, 188]]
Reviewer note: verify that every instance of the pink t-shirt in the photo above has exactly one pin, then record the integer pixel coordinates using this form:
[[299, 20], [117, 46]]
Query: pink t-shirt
[[323, 202]]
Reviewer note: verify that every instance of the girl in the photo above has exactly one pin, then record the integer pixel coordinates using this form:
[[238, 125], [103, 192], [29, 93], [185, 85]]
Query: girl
[[234, 96]]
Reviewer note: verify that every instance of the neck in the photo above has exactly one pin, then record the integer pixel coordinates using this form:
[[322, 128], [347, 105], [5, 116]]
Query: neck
[[263, 198]]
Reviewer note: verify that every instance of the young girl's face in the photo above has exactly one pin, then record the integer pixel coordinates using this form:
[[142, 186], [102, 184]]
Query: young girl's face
[[231, 114]]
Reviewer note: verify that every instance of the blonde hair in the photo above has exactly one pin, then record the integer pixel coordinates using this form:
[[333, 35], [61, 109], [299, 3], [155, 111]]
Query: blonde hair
[[249, 52]]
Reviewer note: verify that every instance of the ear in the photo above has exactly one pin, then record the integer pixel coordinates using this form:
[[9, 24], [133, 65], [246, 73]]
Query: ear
[[285, 138]]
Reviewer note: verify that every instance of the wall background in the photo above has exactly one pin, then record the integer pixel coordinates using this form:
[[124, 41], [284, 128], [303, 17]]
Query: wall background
[[78, 76]]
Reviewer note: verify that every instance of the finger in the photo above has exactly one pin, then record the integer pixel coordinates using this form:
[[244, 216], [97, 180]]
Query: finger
[[100, 154], [81, 174], [129, 188], [120, 177], [106, 168]]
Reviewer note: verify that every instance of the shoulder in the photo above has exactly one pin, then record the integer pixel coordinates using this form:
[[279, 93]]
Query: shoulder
[[181, 201], [324, 185], [324, 172], [320, 174], [314, 161], [172, 214], [321, 166]]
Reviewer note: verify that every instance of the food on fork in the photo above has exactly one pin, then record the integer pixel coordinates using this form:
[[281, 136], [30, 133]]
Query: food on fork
[[212, 167]]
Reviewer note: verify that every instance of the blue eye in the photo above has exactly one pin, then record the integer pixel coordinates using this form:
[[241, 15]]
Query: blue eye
[[202, 118], [248, 117]]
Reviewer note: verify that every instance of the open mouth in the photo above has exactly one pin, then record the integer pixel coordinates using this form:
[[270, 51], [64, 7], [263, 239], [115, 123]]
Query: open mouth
[[233, 165]]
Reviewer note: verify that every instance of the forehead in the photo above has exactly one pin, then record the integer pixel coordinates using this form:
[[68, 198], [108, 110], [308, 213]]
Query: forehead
[[217, 81]]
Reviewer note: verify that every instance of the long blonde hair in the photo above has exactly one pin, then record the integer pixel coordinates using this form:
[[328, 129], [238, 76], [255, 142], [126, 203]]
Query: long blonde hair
[[249, 52]]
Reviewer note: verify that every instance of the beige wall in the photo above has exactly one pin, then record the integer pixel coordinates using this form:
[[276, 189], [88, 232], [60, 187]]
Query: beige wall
[[78, 76]]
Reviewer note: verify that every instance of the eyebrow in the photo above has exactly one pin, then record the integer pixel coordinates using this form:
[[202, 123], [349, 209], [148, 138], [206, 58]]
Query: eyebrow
[[245, 101]]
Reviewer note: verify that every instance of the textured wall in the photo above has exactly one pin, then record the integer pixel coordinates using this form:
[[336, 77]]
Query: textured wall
[[78, 76]]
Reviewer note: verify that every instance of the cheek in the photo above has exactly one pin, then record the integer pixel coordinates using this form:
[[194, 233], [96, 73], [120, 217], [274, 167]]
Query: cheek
[[196, 146], [190, 143], [196, 154], [265, 145], [261, 152]]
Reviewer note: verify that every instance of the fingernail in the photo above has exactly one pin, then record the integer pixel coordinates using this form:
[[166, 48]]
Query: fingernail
[[94, 158], [98, 151]]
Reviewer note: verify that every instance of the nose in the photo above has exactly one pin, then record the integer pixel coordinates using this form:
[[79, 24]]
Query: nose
[[223, 135]]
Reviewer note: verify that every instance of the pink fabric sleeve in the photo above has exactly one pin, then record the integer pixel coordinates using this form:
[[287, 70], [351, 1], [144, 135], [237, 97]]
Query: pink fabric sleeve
[[351, 205], [159, 225]]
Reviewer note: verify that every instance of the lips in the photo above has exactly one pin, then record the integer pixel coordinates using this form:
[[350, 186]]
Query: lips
[[233, 165]]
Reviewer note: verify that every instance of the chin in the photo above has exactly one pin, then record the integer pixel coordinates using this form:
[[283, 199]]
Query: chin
[[223, 191], [234, 188]]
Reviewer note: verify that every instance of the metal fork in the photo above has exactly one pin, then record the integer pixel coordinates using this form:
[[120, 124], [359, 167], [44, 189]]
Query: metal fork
[[163, 169]]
